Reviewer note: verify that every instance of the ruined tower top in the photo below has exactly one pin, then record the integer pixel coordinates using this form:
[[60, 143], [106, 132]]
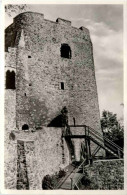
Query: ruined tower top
[[34, 17]]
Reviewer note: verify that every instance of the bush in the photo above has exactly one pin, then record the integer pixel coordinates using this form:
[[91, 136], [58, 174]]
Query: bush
[[12, 136], [88, 183], [50, 181], [85, 180], [47, 182], [62, 173]]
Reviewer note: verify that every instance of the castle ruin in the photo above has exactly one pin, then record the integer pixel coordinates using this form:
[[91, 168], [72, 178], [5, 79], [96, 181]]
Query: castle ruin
[[49, 85]]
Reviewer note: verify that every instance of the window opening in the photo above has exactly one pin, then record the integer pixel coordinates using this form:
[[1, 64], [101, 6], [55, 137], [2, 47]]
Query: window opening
[[74, 120], [62, 85], [10, 80], [25, 127], [65, 51]]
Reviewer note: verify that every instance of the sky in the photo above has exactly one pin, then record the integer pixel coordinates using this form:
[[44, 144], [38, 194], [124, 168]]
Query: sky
[[105, 23]]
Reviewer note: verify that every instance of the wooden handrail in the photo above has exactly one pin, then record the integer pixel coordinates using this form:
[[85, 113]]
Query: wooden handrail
[[76, 171], [108, 140], [91, 130]]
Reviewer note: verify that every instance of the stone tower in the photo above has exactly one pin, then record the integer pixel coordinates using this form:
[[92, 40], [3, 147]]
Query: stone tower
[[52, 68]]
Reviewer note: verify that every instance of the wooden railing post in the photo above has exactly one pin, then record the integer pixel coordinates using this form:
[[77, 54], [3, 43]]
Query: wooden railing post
[[71, 183], [89, 149], [87, 152], [85, 131], [86, 142], [119, 153], [83, 168], [88, 131]]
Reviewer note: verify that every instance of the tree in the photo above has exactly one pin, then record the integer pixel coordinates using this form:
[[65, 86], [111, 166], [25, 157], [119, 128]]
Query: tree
[[111, 126], [12, 9]]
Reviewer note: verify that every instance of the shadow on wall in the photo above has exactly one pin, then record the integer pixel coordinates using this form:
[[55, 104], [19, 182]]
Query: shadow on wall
[[70, 146], [61, 120], [56, 122]]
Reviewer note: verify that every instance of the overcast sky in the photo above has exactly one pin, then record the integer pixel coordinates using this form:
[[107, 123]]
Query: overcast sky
[[105, 23]]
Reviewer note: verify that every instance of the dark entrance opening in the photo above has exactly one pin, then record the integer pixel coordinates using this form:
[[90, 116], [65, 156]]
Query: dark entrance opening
[[25, 127]]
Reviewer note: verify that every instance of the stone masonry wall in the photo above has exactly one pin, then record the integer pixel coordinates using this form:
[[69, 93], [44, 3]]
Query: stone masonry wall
[[22, 175], [41, 69], [43, 152], [33, 47], [107, 174], [10, 144]]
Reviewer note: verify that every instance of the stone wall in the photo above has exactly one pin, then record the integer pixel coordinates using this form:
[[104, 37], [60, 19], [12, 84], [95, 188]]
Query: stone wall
[[33, 47], [107, 174], [42, 151], [41, 69], [10, 94], [10, 160], [22, 173]]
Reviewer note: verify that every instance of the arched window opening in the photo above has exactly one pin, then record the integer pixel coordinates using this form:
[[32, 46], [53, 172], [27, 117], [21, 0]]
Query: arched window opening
[[10, 80], [65, 51], [25, 127]]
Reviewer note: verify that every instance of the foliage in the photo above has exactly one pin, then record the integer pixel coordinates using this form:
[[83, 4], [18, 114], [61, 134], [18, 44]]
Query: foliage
[[47, 182], [111, 126], [50, 181], [62, 173], [88, 183], [11, 9], [12, 136]]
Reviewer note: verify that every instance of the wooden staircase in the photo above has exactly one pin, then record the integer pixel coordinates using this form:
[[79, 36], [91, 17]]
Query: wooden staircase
[[101, 141], [90, 135], [71, 179], [61, 184]]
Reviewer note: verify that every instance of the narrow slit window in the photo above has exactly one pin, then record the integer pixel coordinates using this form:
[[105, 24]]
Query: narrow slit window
[[62, 85]]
